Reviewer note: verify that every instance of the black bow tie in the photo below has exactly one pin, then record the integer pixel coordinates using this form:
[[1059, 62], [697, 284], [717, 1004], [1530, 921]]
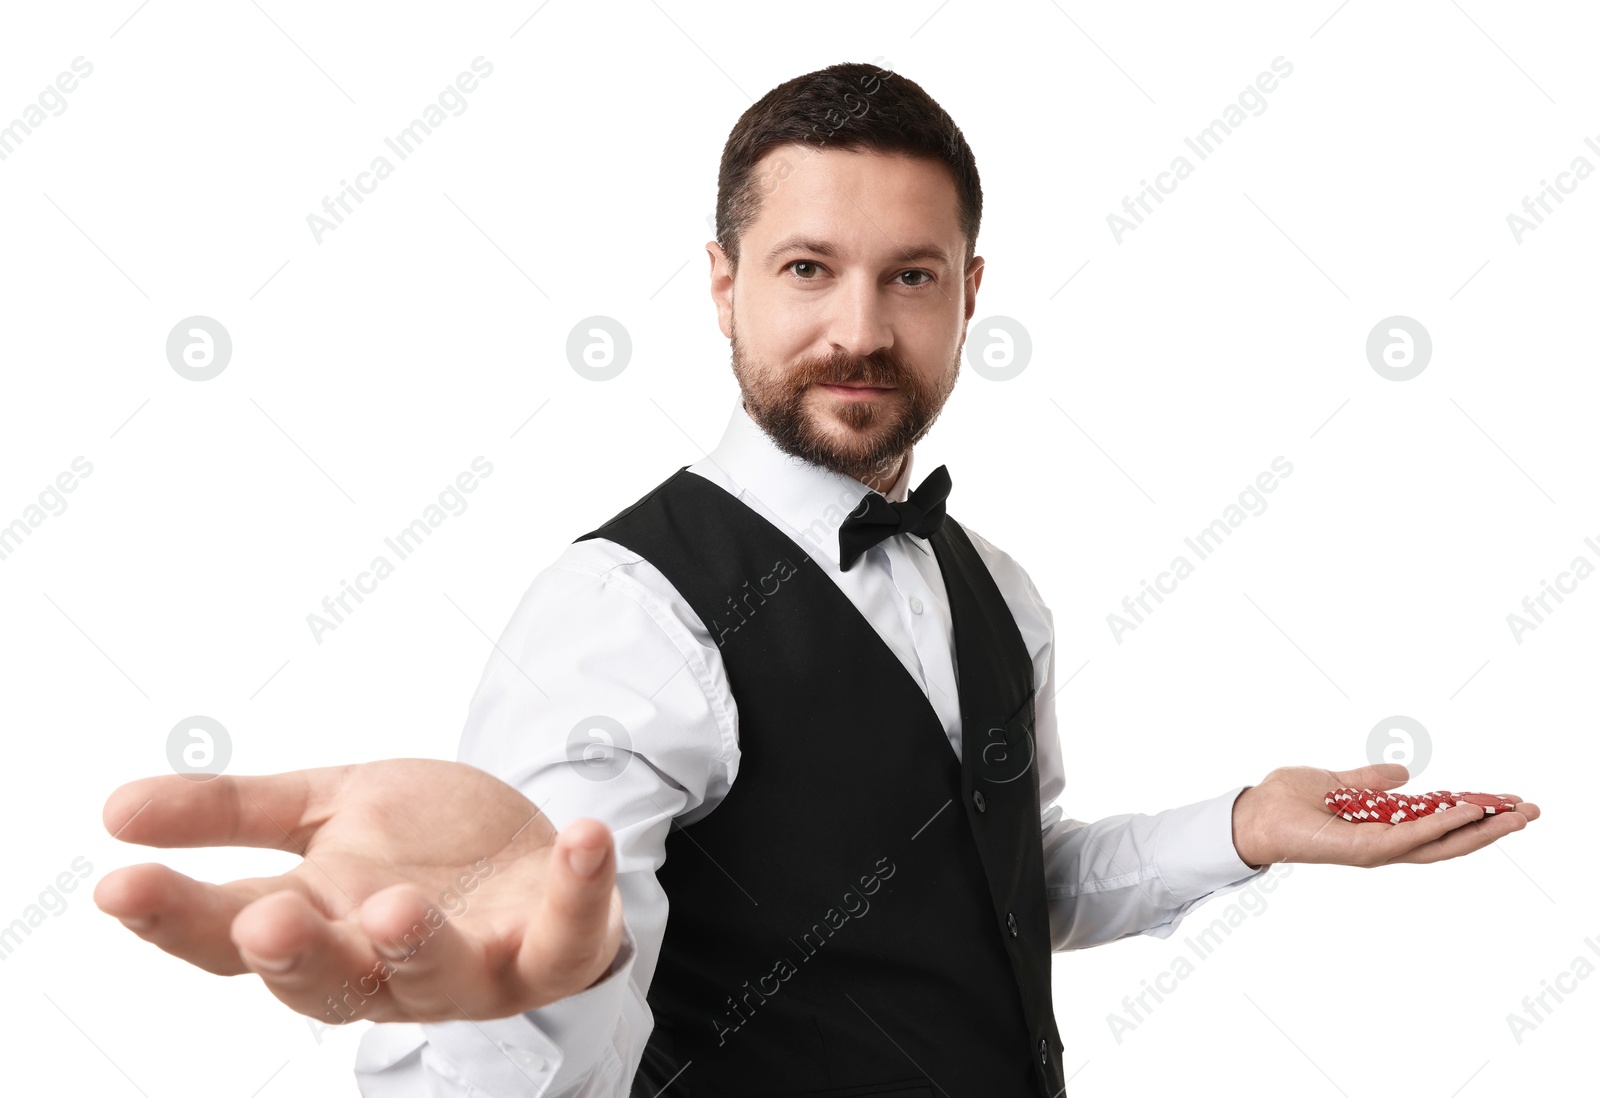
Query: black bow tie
[[876, 518]]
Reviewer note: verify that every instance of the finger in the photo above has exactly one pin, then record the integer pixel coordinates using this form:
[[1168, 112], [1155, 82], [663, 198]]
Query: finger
[[1392, 842], [1464, 840], [187, 918], [438, 969], [279, 811], [1376, 776], [1527, 808], [575, 934], [317, 966]]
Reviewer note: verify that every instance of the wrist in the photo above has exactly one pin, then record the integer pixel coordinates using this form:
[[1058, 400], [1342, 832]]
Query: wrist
[[1247, 842]]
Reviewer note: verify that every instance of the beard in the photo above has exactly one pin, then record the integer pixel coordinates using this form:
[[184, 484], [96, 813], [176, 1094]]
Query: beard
[[862, 439]]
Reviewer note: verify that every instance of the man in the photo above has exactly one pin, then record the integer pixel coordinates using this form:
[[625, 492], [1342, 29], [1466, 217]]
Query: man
[[814, 712]]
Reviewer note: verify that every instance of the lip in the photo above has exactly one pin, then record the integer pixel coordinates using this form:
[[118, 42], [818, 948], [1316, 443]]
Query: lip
[[857, 392]]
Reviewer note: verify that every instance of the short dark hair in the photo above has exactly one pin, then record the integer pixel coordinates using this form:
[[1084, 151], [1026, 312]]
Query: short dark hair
[[855, 106]]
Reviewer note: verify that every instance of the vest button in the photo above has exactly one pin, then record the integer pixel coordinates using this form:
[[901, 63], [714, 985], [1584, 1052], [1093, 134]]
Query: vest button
[[1044, 1053], [977, 799], [1011, 923]]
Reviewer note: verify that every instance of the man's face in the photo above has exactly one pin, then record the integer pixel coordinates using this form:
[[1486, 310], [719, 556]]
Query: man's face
[[850, 305]]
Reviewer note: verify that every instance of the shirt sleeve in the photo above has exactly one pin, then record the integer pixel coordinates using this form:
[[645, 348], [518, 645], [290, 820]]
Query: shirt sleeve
[[1137, 874], [600, 700], [1122, 875]]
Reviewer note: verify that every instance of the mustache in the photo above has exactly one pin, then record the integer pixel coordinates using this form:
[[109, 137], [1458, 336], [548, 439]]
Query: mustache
[[878, 369]]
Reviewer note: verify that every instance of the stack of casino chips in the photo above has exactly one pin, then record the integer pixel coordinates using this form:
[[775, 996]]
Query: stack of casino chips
[[1375, 806]]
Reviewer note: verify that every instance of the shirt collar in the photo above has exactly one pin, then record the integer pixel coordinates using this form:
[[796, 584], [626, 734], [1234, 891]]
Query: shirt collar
[[808, 498]]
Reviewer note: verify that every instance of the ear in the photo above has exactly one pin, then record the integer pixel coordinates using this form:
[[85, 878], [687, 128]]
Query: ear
[[721, 286], [974, 277]]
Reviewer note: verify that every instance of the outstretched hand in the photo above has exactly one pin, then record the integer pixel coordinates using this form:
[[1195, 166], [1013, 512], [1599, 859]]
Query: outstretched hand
[[1284, 819], [427, 891]]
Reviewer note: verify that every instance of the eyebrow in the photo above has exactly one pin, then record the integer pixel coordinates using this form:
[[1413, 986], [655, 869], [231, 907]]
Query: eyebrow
[[823, 248]]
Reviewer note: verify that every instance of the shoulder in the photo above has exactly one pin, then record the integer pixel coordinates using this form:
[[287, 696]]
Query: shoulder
[[1005, 568], [610, 579], [602, 619]]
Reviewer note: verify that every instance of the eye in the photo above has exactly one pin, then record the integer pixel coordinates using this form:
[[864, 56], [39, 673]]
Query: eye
[[926, 278], [794, 266]]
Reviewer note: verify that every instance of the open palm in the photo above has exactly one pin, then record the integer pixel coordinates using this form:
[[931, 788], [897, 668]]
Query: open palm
[[427, 890], [1285, 819]]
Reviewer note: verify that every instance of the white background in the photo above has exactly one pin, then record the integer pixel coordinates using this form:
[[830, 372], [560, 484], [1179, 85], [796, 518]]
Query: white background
[[369, 369]]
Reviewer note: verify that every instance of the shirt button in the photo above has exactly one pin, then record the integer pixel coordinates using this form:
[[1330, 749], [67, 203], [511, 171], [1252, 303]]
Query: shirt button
[[916, 605], [528, 1061], [1044, 1053], [1011, 923], [977, 799]]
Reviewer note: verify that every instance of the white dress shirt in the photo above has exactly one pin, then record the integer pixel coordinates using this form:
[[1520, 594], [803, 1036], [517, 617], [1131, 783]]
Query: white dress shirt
[[601, 632]]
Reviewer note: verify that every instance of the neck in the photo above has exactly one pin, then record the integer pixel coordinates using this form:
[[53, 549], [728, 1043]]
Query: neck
[[882, 482]]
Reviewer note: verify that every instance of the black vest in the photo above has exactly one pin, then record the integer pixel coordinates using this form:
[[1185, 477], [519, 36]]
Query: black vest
[[862, 914]]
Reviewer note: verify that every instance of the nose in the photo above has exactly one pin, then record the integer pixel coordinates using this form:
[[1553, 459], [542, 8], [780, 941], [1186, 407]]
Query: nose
[[858, 324]]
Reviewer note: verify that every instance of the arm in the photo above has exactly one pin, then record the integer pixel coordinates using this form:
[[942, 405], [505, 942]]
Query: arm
[[1138, 874], [621, 652]]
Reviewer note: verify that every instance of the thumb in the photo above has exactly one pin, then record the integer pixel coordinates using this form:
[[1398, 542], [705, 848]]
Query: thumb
[[577, 927], [584, 848], [1377, 776]]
